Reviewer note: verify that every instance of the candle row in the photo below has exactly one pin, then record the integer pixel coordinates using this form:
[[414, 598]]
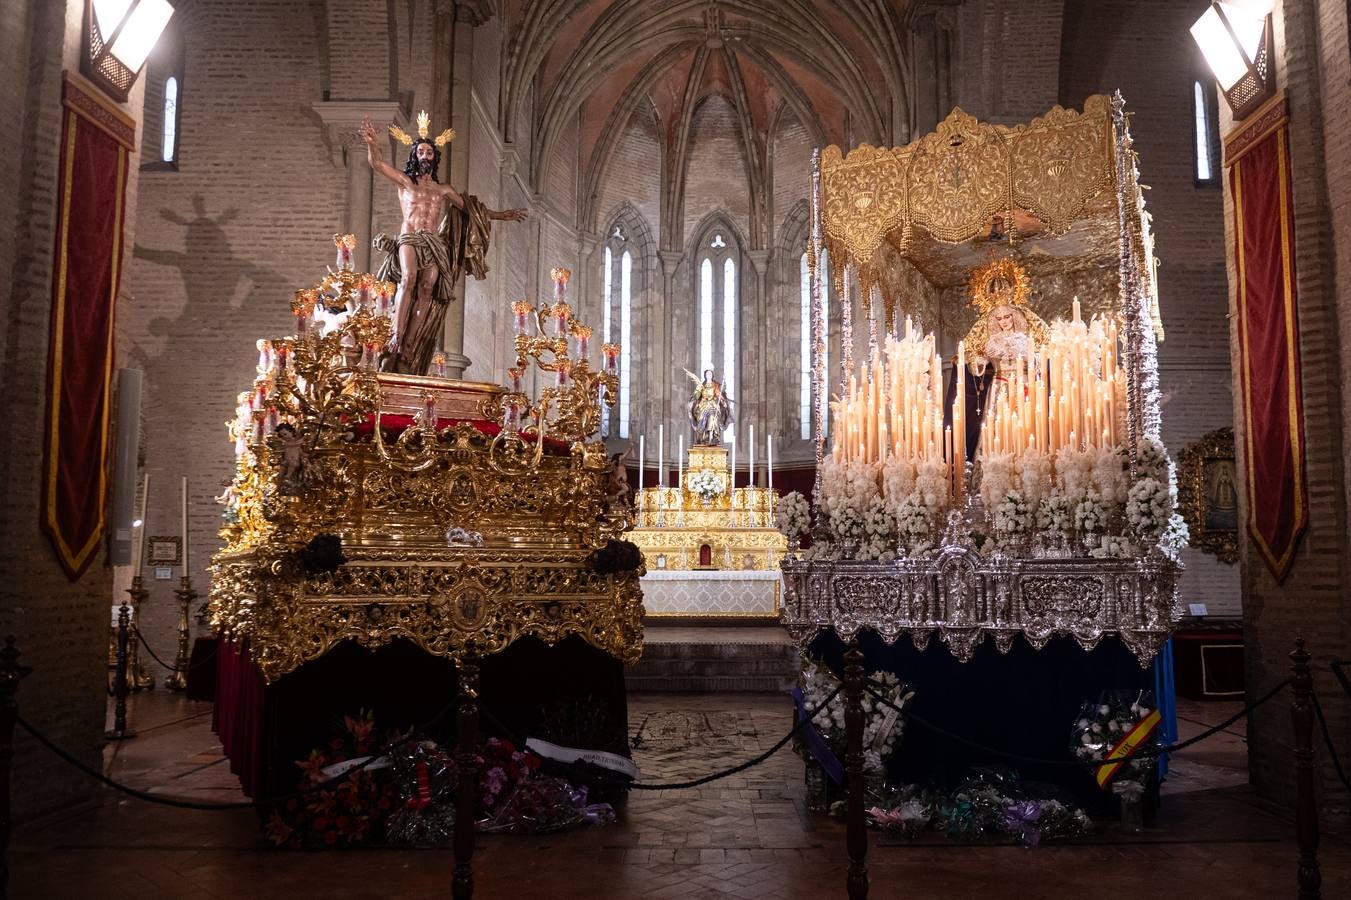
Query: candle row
[[680, 459], [139, 525], [896, 407], [1063, 394]]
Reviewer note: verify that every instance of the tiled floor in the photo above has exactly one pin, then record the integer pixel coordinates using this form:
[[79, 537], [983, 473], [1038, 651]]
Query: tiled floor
[[745, 836]]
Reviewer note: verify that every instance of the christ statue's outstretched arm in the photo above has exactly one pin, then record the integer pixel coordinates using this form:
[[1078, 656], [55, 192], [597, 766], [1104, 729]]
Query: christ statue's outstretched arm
[[377, 161]]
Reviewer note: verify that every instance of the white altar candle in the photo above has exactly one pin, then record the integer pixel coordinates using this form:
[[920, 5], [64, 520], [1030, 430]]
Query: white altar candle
[[680, 461], [751, 480], [661, 456], [185, 525], [769, 450], [138, 528], [641, 440]]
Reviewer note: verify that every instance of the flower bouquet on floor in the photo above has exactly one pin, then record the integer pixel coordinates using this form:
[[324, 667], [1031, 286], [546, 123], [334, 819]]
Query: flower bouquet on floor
[[517, 799], [1121, 725], [349, 812], [823, 742]]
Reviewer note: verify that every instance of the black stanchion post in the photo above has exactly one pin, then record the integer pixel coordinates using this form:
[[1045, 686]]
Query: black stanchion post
[[120, 731], [1306, 807], [11, 673], [466, 762], [856, 835]]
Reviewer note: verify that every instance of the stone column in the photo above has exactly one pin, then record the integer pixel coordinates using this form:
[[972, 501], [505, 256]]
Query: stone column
[[664, 334], [341, 120], [453, 32], [585, 287], [757, 411]]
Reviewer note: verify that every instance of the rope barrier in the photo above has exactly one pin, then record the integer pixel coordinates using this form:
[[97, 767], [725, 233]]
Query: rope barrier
[[1327, 740], [1139, 753], [156, 657]]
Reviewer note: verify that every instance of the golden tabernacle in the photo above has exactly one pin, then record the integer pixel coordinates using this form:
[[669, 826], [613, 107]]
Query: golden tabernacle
[[703, 523], [372, 507]]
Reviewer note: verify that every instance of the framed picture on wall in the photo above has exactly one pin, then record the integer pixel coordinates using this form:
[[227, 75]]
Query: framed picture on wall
[[163, 551], [1208, 494]]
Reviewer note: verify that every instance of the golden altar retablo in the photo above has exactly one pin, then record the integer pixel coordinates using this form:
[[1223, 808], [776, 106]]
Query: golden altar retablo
[[726, 528]]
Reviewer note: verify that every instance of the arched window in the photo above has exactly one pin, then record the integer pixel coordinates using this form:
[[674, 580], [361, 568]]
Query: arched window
[[718, 273], [617, 324], [1205, 115], [164, 100], [169, 139]]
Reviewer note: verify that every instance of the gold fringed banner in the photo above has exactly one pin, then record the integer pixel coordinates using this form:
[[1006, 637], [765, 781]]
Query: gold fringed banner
[[1268, 335], [96, 141]]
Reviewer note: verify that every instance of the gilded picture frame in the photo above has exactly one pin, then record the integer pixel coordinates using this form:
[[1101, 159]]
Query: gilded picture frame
[[1208, 494], [163, 550]]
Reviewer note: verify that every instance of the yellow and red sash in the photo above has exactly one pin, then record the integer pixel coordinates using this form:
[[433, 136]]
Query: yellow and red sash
[[1143, 731]]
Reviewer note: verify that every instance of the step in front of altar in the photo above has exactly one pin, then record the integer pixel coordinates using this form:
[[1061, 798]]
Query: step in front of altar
[[711, 659]]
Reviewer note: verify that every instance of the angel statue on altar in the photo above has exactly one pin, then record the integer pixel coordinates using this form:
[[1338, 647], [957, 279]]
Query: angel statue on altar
[[443, 234], [710, 410], [1001, 340]]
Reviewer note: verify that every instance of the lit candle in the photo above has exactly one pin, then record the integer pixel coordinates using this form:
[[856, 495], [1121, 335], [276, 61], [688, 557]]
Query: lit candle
[[642, 439], [184, 530], [522, 309], [264, 356], [345, 244], [583, 333], [661, 455], [439, 364], [514, 374], [428, 410], [560, 277], [680, 461], [564, 367], [611, 354]]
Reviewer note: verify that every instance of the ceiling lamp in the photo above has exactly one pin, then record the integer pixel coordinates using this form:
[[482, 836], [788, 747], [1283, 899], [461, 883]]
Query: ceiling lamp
[[1235, 38], [119, 35]]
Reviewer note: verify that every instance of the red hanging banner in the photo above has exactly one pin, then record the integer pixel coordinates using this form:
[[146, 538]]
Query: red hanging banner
[[96, 140], [1268, 335]]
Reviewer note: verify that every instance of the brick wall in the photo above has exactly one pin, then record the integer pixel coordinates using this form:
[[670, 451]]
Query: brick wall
[[1311, 61], [61, 626]]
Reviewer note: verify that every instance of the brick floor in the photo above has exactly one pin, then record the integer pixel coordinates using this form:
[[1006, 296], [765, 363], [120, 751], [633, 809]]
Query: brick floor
[[746, 836]]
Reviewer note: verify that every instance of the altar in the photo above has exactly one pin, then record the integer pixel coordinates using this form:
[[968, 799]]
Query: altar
[[712, 548]]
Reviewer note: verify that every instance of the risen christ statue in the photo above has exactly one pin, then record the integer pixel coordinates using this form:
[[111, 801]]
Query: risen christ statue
[[444, 234]]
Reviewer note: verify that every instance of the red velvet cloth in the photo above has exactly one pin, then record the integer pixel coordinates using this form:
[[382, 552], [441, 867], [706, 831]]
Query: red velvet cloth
[[393, 425], [96, 139], [266, 728], [239, 715], [1268, 333]]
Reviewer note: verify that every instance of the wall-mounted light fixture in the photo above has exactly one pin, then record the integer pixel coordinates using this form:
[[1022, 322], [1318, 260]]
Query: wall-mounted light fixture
[[1235, 37], [119, 35]]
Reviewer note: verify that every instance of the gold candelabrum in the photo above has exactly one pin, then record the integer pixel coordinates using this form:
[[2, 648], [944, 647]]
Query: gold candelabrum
[[177, 680], [466, 512]]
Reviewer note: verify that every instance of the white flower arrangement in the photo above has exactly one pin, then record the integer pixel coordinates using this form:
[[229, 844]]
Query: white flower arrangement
[[1012, 515], [882, 726], [1090, 514], [996, 477], [794, 515], [705, 484], [1056, 514], [898, 479], [931, 484], [852, 482], [1112, 546], [1108, 475], [1175, 536], [1149, 506], [846, 522], [1034, 474], [878, 541], [1073, 471], [913, 528]]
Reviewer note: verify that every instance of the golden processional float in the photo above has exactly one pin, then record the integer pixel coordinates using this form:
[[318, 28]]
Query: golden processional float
[[475, 526], [1028, 493]]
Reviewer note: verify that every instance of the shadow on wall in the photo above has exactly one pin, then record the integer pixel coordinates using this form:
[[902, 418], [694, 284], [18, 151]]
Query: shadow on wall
[[199, 352]]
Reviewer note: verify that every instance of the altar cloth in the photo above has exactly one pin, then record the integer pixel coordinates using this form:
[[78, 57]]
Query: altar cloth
[[712, 593]]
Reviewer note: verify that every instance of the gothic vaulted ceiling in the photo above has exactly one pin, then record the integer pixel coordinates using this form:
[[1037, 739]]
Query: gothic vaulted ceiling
[[837, 67]]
